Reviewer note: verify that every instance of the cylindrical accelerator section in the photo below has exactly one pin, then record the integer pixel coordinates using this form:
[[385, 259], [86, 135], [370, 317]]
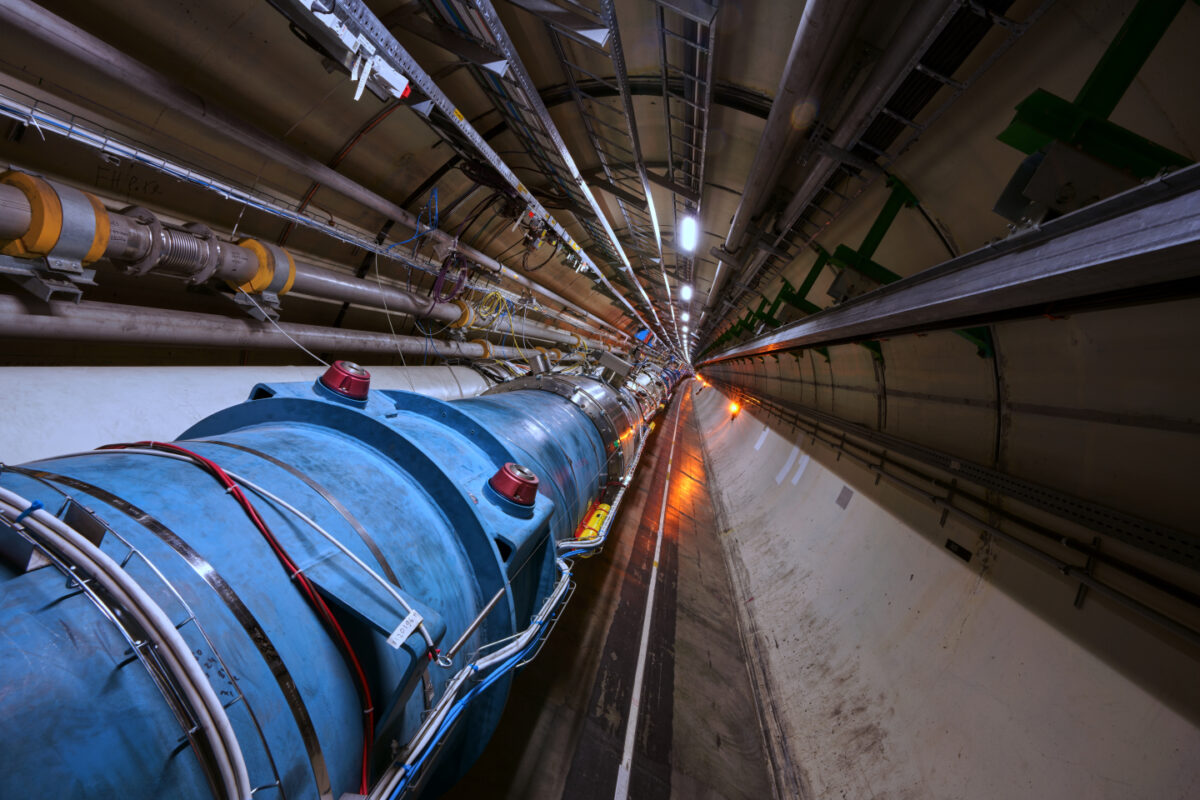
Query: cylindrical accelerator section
[[412, 489]]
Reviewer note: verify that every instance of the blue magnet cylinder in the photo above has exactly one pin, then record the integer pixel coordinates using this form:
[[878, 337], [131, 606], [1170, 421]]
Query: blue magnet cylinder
[[399, 479]]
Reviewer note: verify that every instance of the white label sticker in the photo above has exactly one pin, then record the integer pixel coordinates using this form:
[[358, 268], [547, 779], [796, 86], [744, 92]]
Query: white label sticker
[[404, 630]]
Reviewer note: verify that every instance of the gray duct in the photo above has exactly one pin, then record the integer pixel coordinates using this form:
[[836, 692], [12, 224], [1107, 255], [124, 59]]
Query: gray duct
[[891, 68], [197, 255], [25, 318]]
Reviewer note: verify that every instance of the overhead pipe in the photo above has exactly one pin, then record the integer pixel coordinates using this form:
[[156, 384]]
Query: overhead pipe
[[905, 46], [331, 285], [824, 28], [139, 241], [919, 25], [113, 323], [61, 35]]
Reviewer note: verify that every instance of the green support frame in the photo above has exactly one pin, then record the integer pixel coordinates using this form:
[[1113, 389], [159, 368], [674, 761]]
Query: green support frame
[[861, 261], [1083, 124]]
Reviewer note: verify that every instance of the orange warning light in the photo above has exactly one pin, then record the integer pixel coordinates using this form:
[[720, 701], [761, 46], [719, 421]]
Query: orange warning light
[[734, 408]]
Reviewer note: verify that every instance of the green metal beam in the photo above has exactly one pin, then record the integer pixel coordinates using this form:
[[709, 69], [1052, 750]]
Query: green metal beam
[[1083, 124], [1043, 117], [845, 257], [900, 197], [1126, 55]]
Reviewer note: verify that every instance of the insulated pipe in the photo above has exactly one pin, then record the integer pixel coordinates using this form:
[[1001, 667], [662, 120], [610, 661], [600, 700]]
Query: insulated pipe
[[888, 71], [110, 322], [139, 241], [61, 35], [57, 33], [824, 28], [332, 285], [891, 68]]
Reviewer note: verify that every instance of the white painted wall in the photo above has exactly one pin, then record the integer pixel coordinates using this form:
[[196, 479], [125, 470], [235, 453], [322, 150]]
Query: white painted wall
[[48, 411], [898, 671]]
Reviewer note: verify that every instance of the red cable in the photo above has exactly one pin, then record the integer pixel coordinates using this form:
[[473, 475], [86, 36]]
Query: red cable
[[314, 598]]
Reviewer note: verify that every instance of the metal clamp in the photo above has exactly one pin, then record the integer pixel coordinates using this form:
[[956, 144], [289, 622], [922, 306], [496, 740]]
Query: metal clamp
[[147, 218]]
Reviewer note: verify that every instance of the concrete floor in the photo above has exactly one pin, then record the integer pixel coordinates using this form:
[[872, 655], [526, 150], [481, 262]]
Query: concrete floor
[[698, 731]]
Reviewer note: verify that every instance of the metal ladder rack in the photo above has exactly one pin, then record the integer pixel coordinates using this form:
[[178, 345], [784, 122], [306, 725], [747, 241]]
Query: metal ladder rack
[[686, 54], [513, 94], [610, 122]]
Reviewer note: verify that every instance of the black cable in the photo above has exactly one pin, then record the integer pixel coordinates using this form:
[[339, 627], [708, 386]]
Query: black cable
[[480, 207], [525, 259]]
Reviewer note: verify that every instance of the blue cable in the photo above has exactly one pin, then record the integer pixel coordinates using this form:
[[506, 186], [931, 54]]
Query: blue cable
[[34, 506], [458, 708], [432, 225], [461, 704]]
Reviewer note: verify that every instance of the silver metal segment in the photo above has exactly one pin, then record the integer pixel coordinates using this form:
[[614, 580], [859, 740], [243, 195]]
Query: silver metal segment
[[280, 268], [250, 625], [608, 411], [78, 230], [1145, 236]]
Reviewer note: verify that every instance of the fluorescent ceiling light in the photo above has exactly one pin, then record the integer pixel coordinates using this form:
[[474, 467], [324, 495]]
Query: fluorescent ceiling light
[[685, 292], [688, 234]]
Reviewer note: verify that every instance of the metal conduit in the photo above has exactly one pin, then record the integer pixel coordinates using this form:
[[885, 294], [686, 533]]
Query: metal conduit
[[14, 212], [881, 82], [820, 37], [62, 36], [195, 253], [114, 323]]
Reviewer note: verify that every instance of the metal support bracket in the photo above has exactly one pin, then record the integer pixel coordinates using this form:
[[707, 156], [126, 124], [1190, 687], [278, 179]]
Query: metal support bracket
[[39, 277]]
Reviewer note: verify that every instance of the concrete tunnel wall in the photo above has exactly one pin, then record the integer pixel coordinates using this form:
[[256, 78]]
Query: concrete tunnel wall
[[1099, 405], [888, 667]]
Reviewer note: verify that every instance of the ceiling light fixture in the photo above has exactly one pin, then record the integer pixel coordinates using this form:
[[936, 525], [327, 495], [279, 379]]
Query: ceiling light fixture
[[685, 292], [688, 234], [685, 316]]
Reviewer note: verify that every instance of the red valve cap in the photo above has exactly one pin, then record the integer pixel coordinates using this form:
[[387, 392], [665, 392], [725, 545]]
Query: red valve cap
[[347, 379], [516, 483]]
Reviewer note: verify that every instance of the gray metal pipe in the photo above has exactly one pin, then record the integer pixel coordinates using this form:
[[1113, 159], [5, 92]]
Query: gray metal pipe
[[891, 68], [14, 212], [884, 77], [331, 285], [131, 240], [113, 323], [824, 29], [61, 35]]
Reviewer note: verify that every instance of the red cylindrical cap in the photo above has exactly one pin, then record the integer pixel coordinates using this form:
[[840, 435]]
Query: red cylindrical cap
[[348, 379], [516, 483]]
